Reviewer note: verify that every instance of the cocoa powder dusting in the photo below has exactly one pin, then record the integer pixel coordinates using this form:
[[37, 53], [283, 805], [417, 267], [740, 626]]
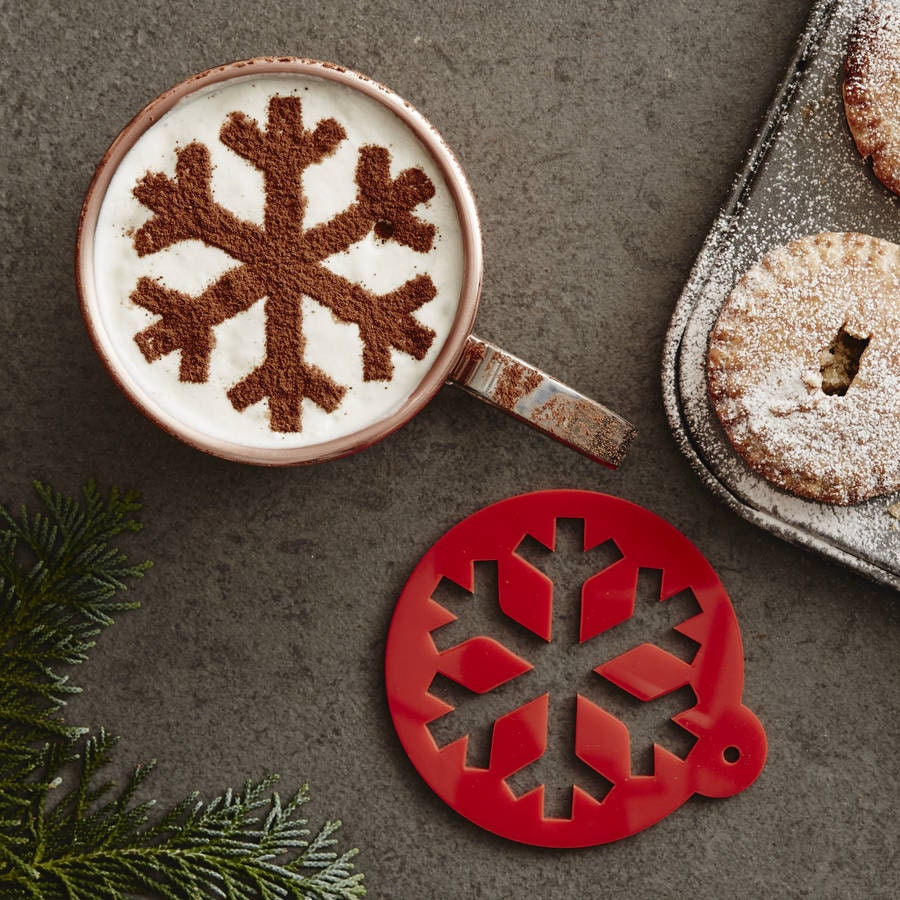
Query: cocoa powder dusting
[[470, 359], [282, 262], [583, 424], [515, 382]]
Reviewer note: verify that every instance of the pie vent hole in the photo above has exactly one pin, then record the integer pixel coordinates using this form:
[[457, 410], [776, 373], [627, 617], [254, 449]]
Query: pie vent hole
[[840, 362]]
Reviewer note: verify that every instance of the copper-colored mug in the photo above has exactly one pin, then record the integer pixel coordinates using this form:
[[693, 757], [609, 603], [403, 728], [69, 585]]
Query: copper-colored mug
[[279, 261]]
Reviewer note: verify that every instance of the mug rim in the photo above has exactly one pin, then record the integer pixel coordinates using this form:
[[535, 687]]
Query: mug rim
[[470, 290]]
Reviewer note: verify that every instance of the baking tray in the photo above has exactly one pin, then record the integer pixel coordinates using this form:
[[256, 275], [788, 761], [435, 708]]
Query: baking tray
[[803, 175]]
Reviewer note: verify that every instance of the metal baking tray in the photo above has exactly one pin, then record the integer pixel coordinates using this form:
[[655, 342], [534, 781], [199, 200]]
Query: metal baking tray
[[803, 175]]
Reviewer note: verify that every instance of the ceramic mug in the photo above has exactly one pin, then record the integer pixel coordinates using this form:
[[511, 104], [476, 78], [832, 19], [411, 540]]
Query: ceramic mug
[[279, 261]]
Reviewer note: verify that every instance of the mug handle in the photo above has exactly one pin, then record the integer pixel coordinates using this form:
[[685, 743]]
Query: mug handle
[[533, 397]]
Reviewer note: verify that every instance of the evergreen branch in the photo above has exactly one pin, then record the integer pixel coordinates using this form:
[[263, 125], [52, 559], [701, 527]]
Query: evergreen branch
[[59, 577], [239, 845], [64, 832]]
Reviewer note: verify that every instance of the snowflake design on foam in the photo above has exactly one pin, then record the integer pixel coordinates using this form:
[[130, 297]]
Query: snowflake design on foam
[[282, 261]]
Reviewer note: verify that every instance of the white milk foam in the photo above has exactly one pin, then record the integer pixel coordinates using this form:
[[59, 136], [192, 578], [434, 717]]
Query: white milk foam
[[191, 266]]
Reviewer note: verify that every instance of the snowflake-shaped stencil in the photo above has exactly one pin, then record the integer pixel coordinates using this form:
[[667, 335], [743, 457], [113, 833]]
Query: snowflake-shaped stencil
[[278, 260], [533, 646]]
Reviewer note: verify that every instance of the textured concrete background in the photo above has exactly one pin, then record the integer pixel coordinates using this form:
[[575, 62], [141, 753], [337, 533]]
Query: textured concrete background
[[600, 139]]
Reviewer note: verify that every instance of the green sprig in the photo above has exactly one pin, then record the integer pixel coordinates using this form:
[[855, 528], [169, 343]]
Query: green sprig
[[65, 832]]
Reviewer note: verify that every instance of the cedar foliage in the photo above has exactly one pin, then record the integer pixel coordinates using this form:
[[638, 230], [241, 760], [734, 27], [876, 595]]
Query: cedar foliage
[[65, 831]]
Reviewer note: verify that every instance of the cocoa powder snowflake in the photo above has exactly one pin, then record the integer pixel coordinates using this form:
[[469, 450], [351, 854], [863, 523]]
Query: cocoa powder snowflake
[[282, 261]]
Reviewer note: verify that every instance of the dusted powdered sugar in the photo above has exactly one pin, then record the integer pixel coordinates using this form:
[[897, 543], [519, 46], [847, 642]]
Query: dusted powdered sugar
[[771, 347], [872, 88], [803, 177]]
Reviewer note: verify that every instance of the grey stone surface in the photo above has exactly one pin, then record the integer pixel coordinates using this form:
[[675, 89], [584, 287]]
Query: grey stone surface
[[600, 139]]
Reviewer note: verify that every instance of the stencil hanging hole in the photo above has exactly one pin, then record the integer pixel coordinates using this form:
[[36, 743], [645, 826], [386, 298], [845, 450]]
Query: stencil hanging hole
[[731, 755], [840, 362]]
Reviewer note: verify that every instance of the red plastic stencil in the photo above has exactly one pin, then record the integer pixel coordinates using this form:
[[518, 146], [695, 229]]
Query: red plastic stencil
[[455, 643]]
